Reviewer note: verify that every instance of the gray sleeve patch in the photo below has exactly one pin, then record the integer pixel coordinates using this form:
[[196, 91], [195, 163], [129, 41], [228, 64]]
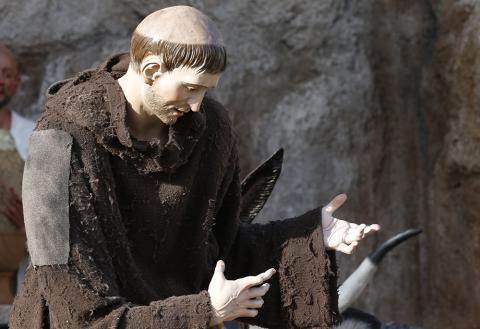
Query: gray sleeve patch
[[45, 194]]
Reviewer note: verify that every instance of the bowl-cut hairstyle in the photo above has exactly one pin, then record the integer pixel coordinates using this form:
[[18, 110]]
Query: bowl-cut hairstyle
[[207, 58]]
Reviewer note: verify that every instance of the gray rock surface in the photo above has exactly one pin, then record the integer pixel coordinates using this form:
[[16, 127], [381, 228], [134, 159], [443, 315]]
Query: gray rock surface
[[377, 99]]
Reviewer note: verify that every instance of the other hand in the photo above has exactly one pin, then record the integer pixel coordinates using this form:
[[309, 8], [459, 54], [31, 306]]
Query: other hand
[[341, 235], [233, 299], [11, 207]]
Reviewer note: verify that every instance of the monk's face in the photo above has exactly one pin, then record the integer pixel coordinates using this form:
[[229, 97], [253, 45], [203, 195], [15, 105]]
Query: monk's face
[[174, 93], [9, 79]]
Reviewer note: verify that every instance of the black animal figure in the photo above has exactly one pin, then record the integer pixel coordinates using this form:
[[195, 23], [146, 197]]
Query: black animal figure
[[258, 185], [356, 319], [354, 285]]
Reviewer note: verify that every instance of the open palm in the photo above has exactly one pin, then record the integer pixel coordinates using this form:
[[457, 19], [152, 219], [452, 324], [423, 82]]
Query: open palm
[[341, 235]]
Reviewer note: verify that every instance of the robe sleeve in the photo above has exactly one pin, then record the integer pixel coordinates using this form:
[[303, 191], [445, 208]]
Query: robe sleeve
[[72, 275], [303, 293]]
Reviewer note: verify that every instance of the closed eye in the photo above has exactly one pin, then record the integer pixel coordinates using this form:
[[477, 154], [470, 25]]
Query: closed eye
[[193, 88]]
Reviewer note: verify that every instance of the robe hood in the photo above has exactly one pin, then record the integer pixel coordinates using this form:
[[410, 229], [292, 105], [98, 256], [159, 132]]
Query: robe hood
[[79, 99]]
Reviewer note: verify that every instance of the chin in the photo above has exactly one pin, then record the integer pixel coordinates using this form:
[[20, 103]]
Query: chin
[[4, 101], [169, 121]]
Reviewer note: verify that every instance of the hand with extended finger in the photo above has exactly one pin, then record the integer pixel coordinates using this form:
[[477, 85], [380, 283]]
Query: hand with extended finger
[[233, 299], [341, 235]]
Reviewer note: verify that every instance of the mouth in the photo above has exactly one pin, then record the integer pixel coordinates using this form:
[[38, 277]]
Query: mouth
[[179, 112]]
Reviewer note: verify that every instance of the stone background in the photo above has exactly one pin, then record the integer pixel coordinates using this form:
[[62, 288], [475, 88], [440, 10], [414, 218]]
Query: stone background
[[375, 98]]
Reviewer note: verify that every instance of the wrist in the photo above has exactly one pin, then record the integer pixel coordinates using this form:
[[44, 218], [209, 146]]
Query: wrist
[[216, 318], [328, 223]]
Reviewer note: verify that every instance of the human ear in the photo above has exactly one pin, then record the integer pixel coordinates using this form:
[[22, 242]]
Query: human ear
[[152, 67]]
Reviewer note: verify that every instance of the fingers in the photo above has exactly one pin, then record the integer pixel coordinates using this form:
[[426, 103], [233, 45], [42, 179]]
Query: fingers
[[13, 203], [257, 292], [14, 194], [15, 209], [251, 281], [220, 266], [336, 203], [354, 233], [371, 229], [219, 271], [14, 216], [359, 232], [347, 249], [247, 313], [252, 303]]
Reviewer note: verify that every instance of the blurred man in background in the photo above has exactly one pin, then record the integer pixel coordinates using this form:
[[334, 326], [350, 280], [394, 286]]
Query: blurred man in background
[[15, 131], [19, 127]]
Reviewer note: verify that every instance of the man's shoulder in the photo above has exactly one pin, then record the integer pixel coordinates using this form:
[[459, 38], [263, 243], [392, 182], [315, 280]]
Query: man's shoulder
[[218, 124], [216, 114], [85, 90], [79, 101]]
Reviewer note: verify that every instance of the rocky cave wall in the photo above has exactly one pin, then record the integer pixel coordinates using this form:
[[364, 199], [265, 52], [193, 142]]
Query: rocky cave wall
[[377, 99]]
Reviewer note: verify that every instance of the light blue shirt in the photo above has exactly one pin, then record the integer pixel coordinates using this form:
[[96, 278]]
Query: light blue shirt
[[21, 129]]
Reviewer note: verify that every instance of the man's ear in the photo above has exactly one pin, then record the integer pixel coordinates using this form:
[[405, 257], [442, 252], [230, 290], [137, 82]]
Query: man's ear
[[151, 69]]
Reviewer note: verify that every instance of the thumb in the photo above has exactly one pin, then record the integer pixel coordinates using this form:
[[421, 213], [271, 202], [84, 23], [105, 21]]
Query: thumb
[[219, 270], [336, 203]]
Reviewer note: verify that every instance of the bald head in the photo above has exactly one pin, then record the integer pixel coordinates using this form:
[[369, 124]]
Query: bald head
[[180, 24], [9, 77], [176, 56], [178, 36], [8, 56]]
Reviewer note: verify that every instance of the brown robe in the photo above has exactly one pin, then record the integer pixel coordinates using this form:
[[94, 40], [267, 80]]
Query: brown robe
[[148, 222]]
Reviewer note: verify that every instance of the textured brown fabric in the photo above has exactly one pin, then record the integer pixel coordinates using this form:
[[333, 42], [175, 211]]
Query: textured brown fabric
[[148, 222]]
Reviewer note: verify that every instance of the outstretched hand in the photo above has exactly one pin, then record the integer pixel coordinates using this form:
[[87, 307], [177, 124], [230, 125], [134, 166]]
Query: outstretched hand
[[233, 299], [11, 207], [341, 235]]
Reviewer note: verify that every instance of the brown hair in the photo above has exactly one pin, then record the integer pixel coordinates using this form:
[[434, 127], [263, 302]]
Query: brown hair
[[208, 58]]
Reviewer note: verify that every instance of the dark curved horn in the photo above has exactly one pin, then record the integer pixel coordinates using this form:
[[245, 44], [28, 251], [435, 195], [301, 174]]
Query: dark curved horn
[[258, 185], [377, 255], [354, 318], [356, 282]]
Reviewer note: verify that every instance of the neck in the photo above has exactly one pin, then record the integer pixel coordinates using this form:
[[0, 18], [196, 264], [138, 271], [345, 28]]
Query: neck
[[5, 118], [129, 83], [142, 125]]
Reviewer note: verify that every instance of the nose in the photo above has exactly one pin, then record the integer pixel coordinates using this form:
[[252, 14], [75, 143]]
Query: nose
[[195, 107], [195, 102]]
